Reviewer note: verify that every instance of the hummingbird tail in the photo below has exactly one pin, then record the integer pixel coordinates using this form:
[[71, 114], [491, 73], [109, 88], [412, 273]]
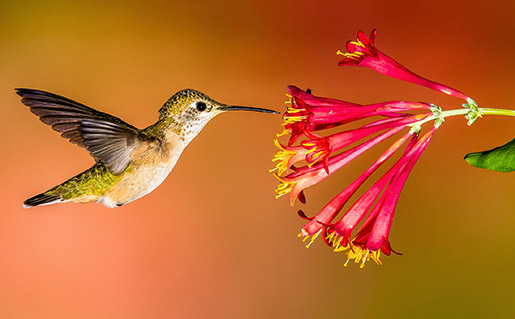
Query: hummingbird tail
[[42, 199]]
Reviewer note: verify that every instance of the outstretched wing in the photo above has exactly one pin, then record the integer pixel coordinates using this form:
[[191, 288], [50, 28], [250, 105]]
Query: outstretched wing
[[107, 138]]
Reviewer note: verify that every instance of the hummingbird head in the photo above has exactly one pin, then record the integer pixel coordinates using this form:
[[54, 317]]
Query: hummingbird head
[[189, 110]]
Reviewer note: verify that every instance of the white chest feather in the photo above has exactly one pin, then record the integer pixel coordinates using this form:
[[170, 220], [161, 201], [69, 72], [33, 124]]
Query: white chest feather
[[144, 176]]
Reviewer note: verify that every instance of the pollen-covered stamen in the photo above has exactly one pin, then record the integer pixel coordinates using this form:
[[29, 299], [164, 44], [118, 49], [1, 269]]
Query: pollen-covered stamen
[[317, 149], [295, 110], [287, 156], [303, 233], [357, 43], [354, 55], [296, 119], [283, 133], [293, 119], [335, 241], [362, 255], [285, 187]]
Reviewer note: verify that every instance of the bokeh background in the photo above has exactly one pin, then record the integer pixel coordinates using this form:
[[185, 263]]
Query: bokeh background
[[212, 241]]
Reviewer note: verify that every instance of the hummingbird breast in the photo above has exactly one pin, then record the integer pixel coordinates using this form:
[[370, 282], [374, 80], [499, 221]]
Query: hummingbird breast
[[146, 172]]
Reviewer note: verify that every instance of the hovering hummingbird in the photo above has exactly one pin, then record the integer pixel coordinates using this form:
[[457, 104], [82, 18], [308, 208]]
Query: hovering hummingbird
[[130, 162]]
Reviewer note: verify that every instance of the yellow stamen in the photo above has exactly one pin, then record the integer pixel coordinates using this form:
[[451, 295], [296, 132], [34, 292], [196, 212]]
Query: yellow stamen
[[282, 156], [350, 55], [363, 261], [294, 110], [341, 248], [361, 256], [284, 187], [283, 133], [356, 55], [304, 233], [311, 150], [336, 241], [316, 155], [337, 246], [330, 237], [358, 43], [282, 166], [293, 119]]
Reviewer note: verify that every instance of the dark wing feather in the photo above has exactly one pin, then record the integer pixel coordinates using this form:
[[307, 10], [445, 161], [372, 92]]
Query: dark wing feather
[[106, 137]]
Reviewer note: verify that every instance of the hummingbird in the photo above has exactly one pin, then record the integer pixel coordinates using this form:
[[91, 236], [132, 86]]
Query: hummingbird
[[129, 162]]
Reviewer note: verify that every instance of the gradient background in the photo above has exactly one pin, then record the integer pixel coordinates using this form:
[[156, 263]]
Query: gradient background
[[211, 241]]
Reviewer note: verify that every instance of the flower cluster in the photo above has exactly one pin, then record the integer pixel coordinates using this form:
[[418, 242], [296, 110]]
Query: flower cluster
[[309, 157]]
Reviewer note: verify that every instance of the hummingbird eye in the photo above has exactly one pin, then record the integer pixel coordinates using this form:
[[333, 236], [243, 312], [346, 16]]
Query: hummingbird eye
[[201, 106]]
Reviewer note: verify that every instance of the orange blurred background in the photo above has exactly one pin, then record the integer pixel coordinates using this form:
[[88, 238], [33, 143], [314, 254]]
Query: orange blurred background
[[212, 241]]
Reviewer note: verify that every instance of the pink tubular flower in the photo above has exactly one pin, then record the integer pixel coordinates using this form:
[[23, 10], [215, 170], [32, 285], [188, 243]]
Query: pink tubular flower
[[306, 176], [362, 230], [317, 157], [363, 52], [329, 212], [308, 113], [372, 238]]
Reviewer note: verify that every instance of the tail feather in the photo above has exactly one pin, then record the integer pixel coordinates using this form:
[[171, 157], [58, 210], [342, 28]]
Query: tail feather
[[42, 199]]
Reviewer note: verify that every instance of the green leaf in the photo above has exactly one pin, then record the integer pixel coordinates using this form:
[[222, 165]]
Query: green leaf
[[501, 159]]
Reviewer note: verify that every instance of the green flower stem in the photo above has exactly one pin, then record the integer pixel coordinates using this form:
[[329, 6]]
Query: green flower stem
[[440, 116], [491, 111]]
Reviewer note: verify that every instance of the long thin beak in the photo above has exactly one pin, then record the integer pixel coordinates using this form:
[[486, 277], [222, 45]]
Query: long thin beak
[[246, 108]]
